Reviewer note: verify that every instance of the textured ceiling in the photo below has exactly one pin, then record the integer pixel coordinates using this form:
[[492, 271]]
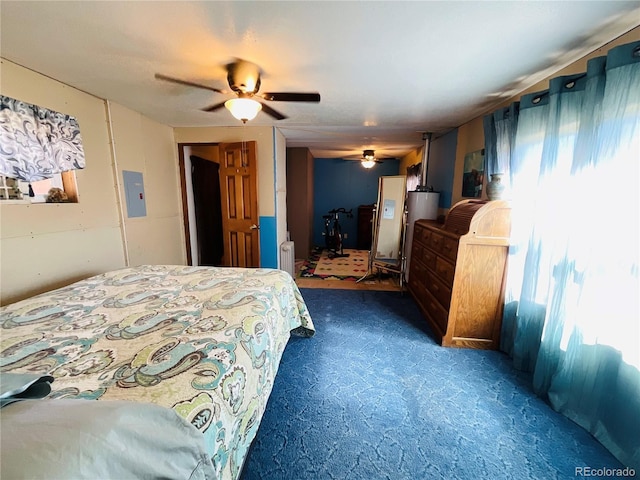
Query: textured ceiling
[[387, 71]]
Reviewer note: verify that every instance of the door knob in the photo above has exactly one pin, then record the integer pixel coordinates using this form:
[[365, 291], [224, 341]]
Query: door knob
[[255, 227]]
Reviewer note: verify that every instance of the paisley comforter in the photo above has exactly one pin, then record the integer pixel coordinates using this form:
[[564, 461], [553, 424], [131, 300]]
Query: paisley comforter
[[203, 341]]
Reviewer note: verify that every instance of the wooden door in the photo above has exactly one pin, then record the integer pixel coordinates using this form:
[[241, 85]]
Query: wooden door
[[239, 191]]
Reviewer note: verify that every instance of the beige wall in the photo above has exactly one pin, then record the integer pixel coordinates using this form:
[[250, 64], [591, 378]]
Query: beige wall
[[470, 139], [46, 246], [411, 159], [142, 145]]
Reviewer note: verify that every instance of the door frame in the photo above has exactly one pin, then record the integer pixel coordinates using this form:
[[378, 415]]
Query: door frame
[[187, 213]]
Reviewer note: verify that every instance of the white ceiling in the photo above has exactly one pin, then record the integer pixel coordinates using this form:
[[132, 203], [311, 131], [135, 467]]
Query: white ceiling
[[387, 71]]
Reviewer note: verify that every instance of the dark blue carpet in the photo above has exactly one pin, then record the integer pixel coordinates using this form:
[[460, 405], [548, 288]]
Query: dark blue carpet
[[372, 396]]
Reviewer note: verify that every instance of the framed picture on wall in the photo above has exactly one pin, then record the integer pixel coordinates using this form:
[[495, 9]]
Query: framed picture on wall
[[473, 176]]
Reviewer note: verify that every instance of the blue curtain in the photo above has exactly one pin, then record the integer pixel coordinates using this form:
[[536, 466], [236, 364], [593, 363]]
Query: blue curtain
[[572, 309], [500, 131]]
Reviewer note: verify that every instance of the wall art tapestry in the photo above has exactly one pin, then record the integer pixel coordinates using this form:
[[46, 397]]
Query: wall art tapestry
[[473, 176], [36, 143]]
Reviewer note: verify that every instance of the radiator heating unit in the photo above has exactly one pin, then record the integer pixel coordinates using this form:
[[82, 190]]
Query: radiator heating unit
[[288, 258]]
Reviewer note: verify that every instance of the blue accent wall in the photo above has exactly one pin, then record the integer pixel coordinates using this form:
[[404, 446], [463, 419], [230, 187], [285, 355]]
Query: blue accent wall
[[345, 183], [268, 243], [442, 161]]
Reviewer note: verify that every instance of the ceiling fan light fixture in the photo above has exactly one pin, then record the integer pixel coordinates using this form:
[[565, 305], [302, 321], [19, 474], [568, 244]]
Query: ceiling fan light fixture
[[368, 155], [244, 109], [368, 163]]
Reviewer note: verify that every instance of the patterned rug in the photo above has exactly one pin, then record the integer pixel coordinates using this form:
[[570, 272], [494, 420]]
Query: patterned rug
[[350, 268]]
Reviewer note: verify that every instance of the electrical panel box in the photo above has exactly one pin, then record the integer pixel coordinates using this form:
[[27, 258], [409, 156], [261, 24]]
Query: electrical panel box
[[134, 192]]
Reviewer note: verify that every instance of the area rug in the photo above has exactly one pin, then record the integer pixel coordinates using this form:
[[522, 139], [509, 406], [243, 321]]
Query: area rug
[[351, 268]]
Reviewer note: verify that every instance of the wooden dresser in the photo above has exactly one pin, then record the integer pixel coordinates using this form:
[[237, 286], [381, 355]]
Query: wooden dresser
[[457, 272]]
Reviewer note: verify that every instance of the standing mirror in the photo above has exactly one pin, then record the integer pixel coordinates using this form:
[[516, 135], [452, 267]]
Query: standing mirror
[[389, 227]]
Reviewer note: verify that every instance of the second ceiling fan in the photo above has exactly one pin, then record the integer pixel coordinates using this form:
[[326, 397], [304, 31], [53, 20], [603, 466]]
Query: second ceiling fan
[[244, 80], [369, 159]]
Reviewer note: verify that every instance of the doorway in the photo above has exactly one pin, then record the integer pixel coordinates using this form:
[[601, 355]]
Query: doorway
[[220, 208], [205, 180]]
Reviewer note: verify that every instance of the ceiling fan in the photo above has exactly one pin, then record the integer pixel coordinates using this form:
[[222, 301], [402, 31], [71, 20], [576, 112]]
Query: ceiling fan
[[369, 159], [244, 80]]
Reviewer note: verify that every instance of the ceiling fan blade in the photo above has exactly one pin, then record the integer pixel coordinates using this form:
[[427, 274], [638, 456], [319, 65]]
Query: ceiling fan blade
[[291, 97], [159, 76], [274, 113], [213, 108]]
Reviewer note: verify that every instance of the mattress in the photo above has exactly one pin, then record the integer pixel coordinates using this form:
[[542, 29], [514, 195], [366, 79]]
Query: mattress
[[204, 342]]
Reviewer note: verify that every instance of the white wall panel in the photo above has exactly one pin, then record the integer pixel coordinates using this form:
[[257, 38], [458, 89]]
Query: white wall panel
[[163, 245], [37, 263]]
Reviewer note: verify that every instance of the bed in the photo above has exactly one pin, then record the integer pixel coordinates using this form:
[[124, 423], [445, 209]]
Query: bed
[[204, 342]]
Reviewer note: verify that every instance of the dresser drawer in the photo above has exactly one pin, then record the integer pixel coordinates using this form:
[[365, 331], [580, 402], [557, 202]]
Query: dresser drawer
[[445, 270], [421, 234], [438, 314], [439, 290], [417, 272], [429, 258], [435, 241], [417, 288], [417, 250], [449, 248]]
